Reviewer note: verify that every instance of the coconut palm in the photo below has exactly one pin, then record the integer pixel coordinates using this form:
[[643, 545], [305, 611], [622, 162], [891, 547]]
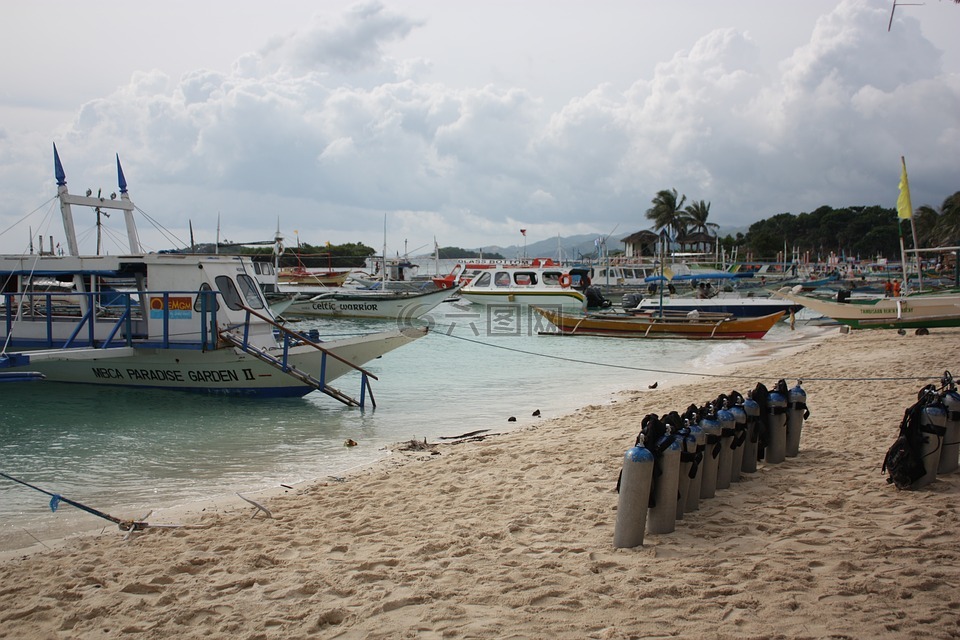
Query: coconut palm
[[667, 212], [947, 230], [926, 219], [696, 215]]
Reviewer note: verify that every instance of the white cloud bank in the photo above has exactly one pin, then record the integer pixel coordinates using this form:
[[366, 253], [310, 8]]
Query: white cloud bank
[[322, 130]]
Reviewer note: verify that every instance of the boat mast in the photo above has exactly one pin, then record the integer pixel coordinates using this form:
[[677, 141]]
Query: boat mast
[[67, 199]]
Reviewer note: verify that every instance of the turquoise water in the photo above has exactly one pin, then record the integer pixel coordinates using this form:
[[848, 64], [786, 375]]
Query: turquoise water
[[129, 451]]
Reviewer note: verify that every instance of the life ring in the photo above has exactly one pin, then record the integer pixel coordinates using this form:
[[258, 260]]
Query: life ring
[[565, 280]]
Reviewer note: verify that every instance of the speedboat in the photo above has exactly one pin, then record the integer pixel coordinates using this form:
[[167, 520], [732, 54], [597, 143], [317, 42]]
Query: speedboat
[[550, 285]]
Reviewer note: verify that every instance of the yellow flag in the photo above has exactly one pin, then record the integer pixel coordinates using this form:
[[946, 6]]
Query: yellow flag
[[904, 208]]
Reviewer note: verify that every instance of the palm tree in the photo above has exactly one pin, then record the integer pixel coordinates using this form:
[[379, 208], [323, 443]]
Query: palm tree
[[938, 228], [925, 220], [696, 215], [947, 231], [667, 212]]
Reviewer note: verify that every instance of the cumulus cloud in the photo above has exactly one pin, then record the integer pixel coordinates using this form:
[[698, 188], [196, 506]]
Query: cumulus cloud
[[322, 129]]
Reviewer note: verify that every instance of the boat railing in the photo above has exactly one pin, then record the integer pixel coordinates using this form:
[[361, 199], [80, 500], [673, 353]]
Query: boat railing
[[292, 338], [100, 319]]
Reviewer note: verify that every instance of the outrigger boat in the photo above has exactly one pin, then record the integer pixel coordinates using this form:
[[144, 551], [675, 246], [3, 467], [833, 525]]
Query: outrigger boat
[[391, 304], [915, 311], [524, 285], [170, 321], [703, 326]]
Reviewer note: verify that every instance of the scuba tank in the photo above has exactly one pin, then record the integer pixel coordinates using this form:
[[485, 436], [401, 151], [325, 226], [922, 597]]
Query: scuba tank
[[727, 432], [739, 437], [951, 439], [933, 420], [752, 409], [711, 455], [662, 516], [691, 457], [776, 450], [797, 412], [635, 478]]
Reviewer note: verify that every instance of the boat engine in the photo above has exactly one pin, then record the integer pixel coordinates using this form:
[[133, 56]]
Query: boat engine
[[595, 299], [631, 300]]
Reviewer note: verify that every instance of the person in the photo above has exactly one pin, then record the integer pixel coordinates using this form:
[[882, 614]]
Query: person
[[702, 291], [896, 288], [888, 289]]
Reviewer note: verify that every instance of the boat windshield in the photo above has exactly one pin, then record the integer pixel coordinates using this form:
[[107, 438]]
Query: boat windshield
[[251, 292], [229, 292]]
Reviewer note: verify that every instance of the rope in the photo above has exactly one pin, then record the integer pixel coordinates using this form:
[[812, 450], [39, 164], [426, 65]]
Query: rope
[[681, 373]]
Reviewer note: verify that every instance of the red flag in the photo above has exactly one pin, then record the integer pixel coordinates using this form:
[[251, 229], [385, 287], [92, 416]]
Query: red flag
[[523, 231]]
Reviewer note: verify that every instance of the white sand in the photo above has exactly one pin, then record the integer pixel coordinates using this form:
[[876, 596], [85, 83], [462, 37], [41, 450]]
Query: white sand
[[511, 537]]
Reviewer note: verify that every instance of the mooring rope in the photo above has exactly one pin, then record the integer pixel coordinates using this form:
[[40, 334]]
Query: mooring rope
[[805, 378]]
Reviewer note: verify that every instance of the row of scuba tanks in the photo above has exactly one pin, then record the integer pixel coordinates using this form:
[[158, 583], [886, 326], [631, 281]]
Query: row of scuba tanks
[[680, 459], [928, 442]]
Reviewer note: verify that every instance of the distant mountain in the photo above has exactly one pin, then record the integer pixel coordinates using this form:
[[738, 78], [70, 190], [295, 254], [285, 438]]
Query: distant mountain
[[575, 247], [569, 248]]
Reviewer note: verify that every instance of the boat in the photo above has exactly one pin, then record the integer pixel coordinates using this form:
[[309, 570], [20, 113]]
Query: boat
[[734, 303], [169, 321], [692, 326], [466, 270], [914, 311], [462, 272], [545, 285], [300, 275], [391, 304]]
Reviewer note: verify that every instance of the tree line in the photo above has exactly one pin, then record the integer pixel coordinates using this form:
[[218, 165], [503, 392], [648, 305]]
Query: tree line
[[853, 231]]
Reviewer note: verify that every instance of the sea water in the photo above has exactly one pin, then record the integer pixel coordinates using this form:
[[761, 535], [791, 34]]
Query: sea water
[[125, 451]]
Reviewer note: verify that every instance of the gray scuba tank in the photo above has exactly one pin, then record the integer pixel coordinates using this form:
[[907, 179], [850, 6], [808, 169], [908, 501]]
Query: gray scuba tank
[[951, 439], [739, 440], [634, 499], [662, 517], [711, 456], [751, 444], [776, 450], [727, 432], [796, 414]]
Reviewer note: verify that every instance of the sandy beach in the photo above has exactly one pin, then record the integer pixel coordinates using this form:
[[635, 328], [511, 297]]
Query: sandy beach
[[511, 536]]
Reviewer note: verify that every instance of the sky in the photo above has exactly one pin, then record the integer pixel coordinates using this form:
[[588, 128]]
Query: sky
[[463, 122]]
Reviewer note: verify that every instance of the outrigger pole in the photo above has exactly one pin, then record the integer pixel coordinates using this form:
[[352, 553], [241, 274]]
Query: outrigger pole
[[125, 525]]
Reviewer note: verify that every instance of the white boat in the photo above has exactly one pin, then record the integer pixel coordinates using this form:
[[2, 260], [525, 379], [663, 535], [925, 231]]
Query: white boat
[[545, 286], [736, 304], [391, 304], [919, 310], [171, 321]]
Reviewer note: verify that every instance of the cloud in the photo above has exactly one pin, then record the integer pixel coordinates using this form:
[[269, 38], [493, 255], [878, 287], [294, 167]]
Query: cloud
[[324, 130]]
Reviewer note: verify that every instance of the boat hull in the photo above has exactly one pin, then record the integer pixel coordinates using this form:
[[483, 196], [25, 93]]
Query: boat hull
[[738, 307], [567, 299], [627, 326], [394, 305], [907, 312], [225, 371]]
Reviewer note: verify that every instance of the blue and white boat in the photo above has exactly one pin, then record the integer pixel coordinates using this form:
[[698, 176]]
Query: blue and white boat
[[171, 321]]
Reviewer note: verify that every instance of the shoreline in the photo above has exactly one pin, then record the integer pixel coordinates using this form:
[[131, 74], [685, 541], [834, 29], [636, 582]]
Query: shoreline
[[229, 503], [512, 536]]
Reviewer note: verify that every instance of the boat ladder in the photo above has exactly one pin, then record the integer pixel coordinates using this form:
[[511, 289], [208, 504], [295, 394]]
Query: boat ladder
[[306, 378]]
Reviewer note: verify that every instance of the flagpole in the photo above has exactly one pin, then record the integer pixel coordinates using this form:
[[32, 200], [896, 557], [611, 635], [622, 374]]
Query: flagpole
[[904, 210]]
